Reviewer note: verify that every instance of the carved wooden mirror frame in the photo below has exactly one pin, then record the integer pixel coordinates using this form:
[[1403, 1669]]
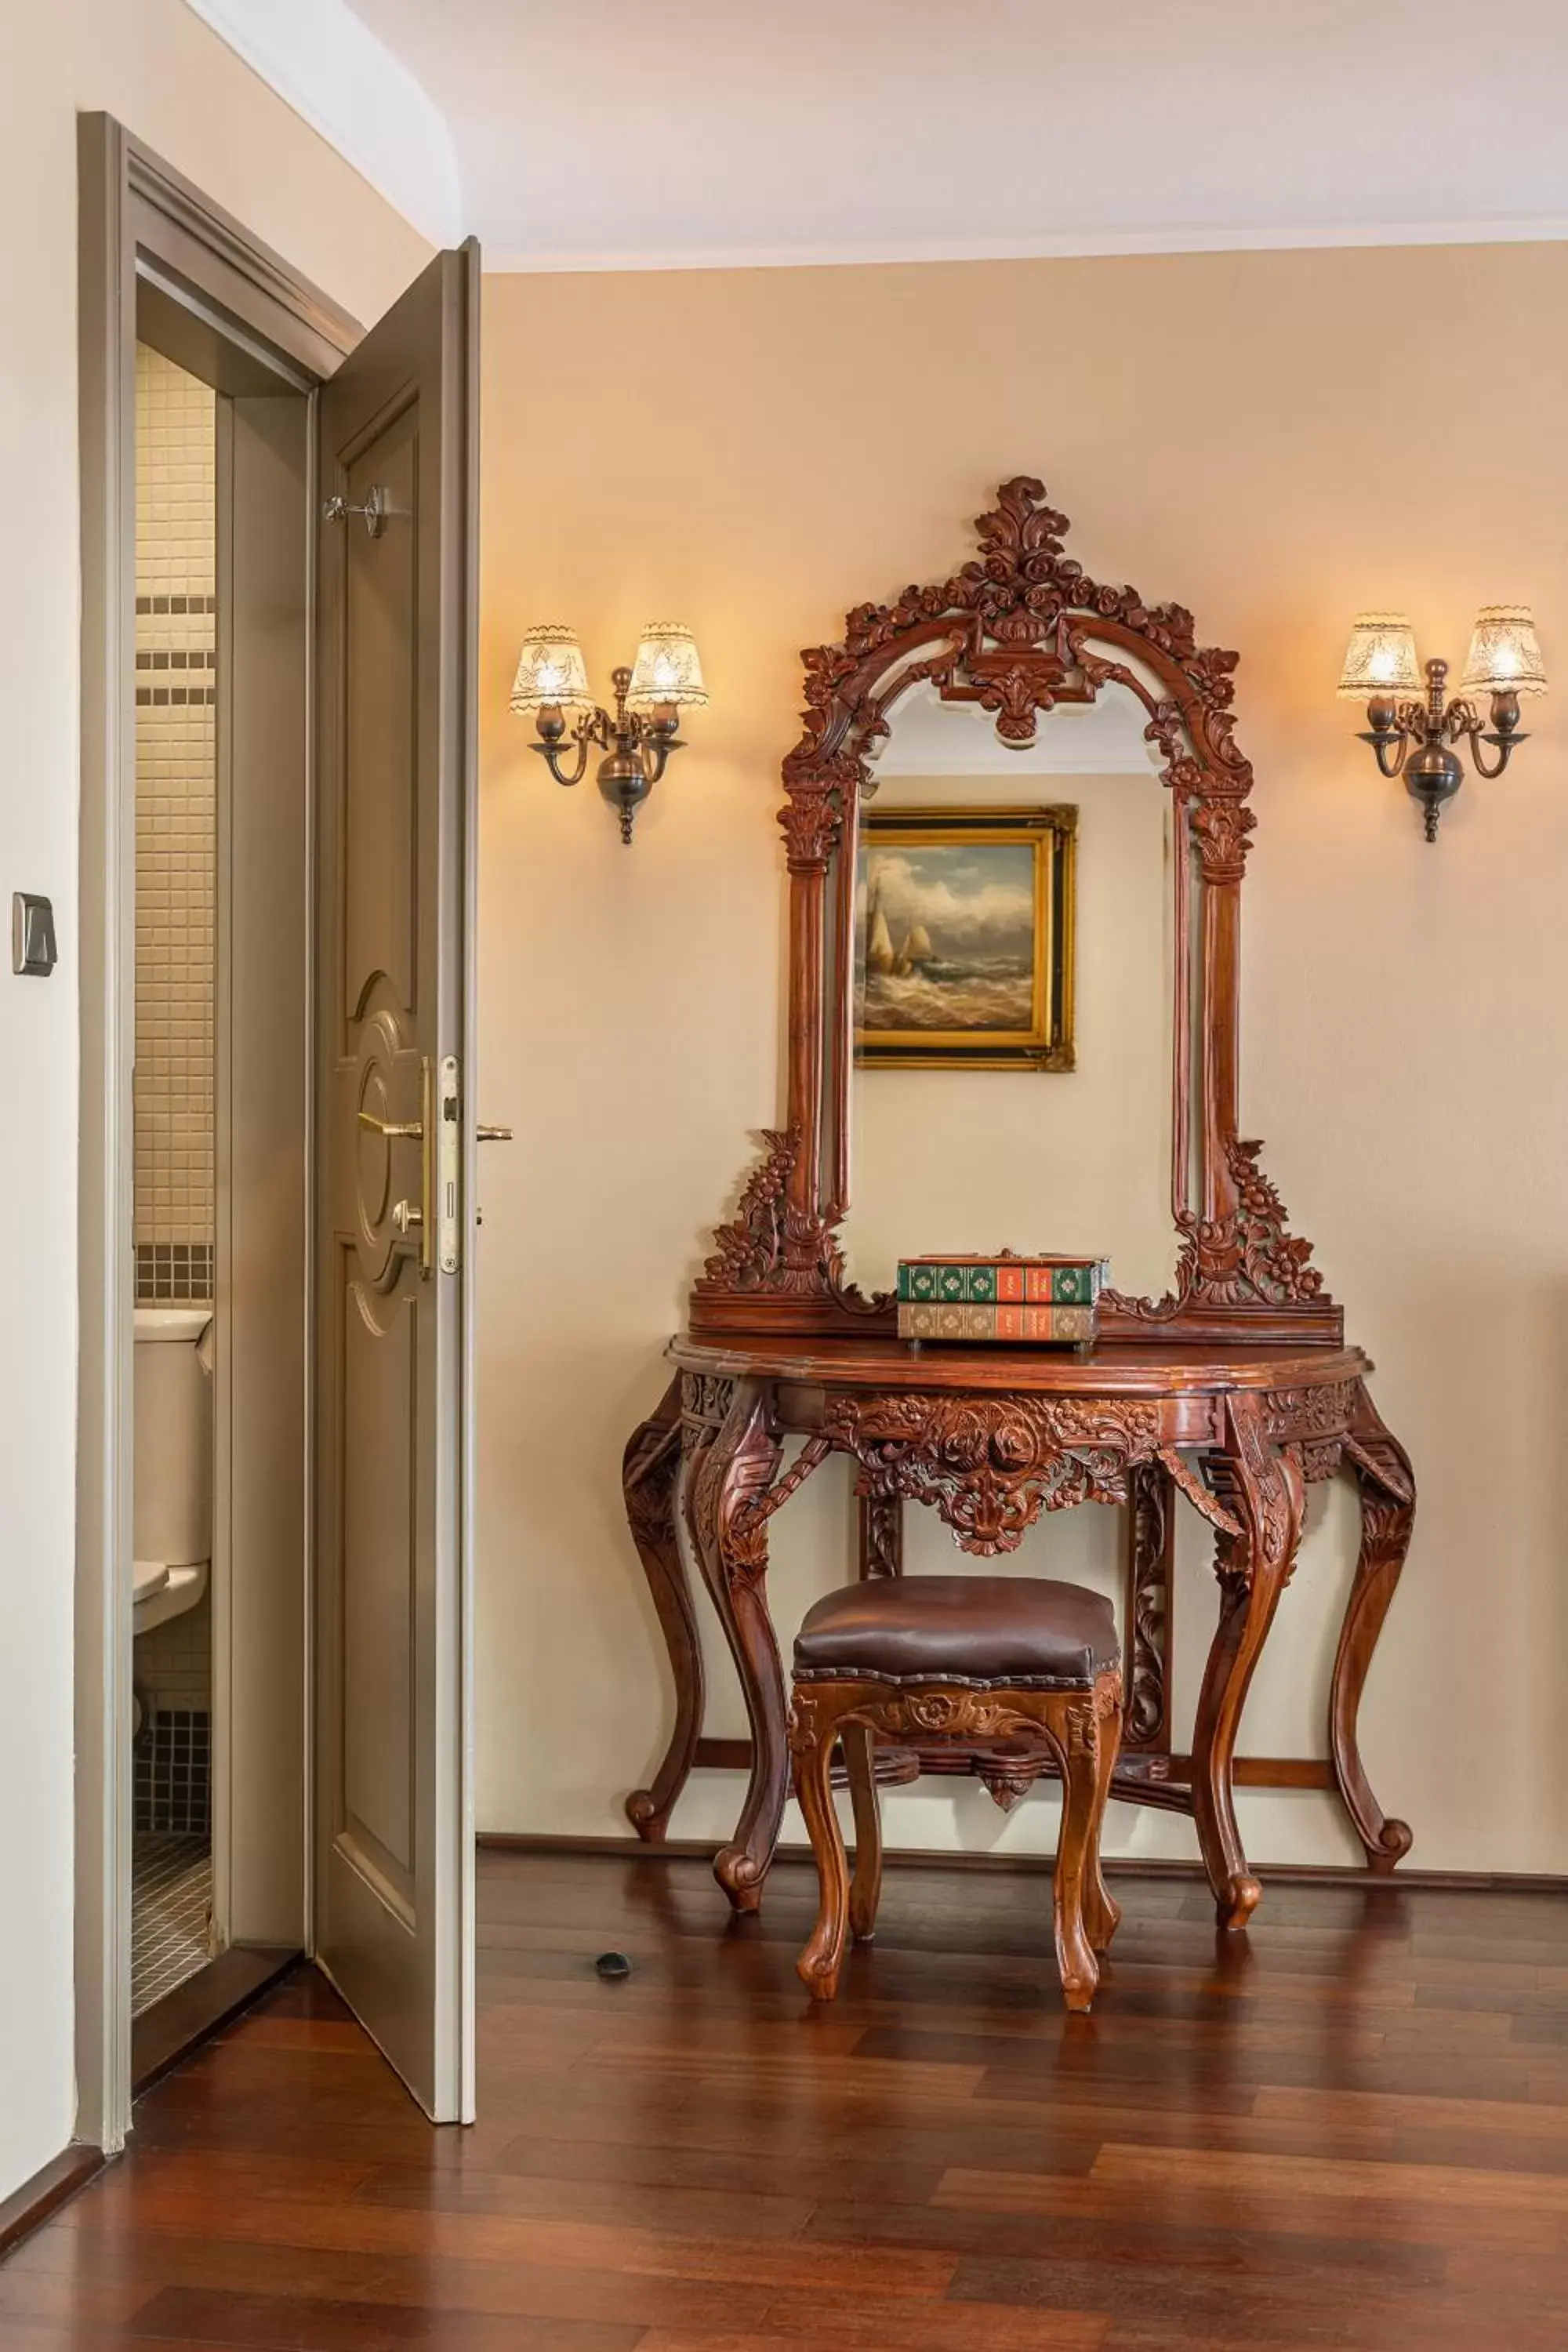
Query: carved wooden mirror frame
[[1017, 631]]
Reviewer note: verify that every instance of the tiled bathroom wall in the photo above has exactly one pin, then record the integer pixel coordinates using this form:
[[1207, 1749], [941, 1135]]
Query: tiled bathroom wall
[[176, 810], [176, 828], [173, 1668], [172, 1777]]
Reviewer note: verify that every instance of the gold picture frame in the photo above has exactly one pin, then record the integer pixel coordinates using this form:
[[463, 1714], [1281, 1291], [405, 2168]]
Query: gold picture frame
[[945, 924]]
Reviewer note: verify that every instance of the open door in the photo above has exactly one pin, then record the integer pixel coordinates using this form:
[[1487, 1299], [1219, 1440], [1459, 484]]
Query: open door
[[395, 637]]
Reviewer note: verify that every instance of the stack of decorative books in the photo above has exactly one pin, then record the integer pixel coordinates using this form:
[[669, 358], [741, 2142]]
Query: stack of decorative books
[[1048, 1300]]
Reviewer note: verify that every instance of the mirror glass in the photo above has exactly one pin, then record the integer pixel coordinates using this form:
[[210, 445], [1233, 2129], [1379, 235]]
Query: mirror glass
[[1014, 993]]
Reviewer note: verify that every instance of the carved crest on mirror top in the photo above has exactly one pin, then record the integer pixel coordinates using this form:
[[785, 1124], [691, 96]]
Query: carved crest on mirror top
[[1018, 630]]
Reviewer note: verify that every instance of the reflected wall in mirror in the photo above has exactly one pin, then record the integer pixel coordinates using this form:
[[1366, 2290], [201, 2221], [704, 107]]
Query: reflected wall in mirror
[[1020, 681], [968, 1131]]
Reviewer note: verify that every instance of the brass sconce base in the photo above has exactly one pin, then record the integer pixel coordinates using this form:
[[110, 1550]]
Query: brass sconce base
[[1412, 740], [1433, 776], [639, 746]]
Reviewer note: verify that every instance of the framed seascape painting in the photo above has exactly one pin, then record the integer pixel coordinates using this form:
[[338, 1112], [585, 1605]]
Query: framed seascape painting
[[964, 939]]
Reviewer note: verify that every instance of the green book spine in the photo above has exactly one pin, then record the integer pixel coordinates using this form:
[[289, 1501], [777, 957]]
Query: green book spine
[[1038, 1282]]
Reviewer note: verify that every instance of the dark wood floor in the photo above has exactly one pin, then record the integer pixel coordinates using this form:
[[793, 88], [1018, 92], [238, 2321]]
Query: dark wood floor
[[1348, 2130]]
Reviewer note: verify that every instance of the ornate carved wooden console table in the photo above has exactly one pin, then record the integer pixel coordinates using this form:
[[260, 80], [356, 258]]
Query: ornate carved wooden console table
[[991, 1439], [1234, 1386]]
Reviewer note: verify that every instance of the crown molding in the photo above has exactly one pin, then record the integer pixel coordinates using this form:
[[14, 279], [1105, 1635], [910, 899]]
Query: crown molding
[[351, 89], [1087, 245]]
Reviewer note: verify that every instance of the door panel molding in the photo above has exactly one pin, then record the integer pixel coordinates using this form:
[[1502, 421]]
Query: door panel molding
[[377, 1799], [394, 1844]]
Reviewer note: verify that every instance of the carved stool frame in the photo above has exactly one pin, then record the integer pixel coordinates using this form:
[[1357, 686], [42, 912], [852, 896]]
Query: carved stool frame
[[1082, 1726]]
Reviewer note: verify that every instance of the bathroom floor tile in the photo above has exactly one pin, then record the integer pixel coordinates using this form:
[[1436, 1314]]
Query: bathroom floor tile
[[171, 1915]]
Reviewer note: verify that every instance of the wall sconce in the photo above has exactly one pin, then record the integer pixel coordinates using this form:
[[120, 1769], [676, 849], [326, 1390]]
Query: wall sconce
[[552, 678], [1412, 737]]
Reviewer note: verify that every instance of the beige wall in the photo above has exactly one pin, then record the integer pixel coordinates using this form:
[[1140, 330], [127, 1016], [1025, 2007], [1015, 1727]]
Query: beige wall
[[152, 64], [1275, 439]]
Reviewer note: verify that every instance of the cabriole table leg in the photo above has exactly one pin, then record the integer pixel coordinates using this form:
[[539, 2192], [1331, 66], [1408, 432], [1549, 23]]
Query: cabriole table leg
[[648, 1474], [726, 1474], [1388, 1484], [1261, 1483]]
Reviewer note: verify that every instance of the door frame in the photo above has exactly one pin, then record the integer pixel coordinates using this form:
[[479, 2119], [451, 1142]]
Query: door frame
[[137, 220]]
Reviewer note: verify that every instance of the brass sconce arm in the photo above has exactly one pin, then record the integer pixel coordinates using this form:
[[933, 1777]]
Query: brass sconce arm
[[550, 721], [1391, 729], [1503, 734]]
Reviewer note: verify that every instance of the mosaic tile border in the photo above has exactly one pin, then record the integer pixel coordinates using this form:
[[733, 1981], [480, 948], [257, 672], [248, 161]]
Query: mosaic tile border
[[168, 1271], [172, 1777]]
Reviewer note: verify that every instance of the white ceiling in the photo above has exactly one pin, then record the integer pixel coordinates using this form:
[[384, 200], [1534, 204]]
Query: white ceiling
[[648, 133], [351, 88]]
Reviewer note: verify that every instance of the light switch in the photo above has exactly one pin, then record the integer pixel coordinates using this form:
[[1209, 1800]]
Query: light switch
[[32, 934]]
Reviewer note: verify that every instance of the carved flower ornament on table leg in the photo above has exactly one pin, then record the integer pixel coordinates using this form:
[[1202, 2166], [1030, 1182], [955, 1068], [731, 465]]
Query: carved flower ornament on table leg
[[1259, 1483], [731, 1448]]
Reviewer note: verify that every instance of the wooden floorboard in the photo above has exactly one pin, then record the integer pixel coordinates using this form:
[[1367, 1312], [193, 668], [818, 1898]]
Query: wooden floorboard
[[1348, 2129], [165, 2034]]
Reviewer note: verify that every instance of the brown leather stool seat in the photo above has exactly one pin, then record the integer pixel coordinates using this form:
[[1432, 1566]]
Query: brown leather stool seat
[[979, 1659], [1026, 1631]]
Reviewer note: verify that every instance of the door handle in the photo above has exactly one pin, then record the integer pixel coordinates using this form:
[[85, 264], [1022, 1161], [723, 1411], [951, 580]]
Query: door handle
[[489, 1135], [436, 1247], [372, 514], [411, 1218]]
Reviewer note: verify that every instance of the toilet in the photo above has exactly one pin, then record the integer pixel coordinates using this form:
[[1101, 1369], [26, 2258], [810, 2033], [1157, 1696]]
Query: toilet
[[173, 1475]]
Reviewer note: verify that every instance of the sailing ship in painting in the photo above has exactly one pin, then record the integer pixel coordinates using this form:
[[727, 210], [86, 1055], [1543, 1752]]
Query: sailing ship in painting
[[949, 938], [881, 957]]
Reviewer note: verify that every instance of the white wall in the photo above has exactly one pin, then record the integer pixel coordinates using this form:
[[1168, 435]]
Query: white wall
[[151, 64]]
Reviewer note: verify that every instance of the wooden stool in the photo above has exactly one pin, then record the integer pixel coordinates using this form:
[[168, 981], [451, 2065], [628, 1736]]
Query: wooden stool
[[922, 1658]]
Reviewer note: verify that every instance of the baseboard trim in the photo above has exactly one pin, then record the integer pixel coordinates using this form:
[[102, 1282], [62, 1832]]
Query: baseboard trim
[[165, 2035], [31, 2205], [1277, 1874]]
